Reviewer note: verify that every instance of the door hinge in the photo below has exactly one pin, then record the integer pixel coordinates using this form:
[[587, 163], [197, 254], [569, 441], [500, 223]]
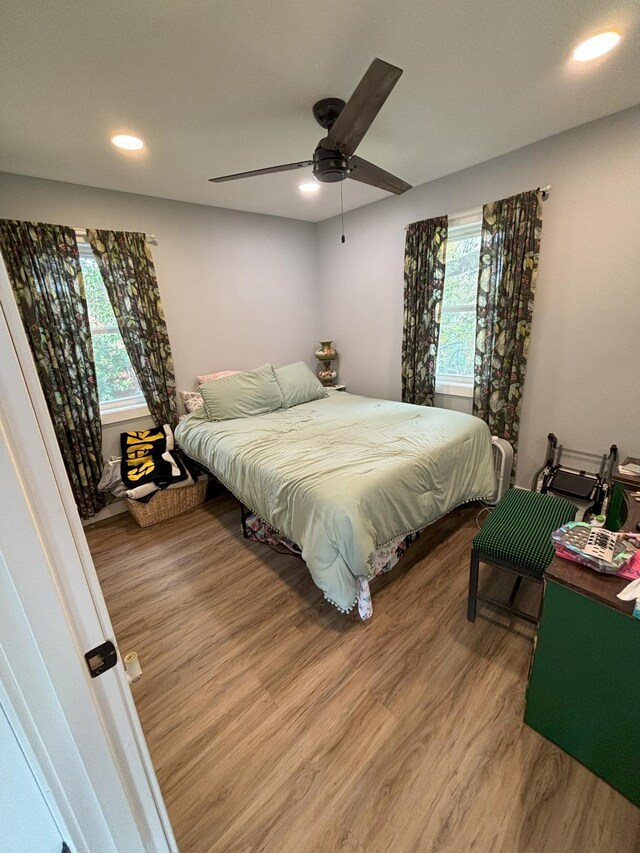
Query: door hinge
[[101, 658]]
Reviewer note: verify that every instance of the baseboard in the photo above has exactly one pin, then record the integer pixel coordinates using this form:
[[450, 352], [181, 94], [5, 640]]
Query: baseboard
[[116, 508]]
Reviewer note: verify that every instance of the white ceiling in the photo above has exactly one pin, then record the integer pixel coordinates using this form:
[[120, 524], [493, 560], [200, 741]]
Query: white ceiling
[[221, 86]]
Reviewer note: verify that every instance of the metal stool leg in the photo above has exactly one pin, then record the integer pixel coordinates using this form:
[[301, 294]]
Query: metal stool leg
[[474, 571], [515, 589]]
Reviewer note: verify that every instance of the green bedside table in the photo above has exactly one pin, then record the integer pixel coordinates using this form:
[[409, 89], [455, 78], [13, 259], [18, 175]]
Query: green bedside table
[[584, 686]]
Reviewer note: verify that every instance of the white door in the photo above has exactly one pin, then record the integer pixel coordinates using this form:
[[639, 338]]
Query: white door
[[26, 822], [84, 732]]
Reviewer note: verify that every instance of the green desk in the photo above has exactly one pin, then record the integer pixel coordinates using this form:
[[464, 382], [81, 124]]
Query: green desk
[[584, 686]]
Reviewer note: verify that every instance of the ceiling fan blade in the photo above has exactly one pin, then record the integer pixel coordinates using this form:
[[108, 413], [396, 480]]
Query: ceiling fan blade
[[270, 170], [362, 107], [367, 173]]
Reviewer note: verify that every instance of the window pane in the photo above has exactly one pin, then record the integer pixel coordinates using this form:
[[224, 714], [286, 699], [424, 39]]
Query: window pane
[[457, 328], [461, 276], [100, 310], [457, 343], [116, 378]]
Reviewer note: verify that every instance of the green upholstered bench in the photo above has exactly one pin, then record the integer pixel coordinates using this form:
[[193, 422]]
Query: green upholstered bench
[[517, 538]]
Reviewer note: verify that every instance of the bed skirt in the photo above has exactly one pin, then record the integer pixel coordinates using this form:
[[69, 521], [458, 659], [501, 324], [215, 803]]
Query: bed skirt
[[384, 559]]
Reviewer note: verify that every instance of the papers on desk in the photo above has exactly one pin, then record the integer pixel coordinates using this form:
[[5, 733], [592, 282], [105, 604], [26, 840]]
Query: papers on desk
[[629, 470], [631, 592], [605, 552]]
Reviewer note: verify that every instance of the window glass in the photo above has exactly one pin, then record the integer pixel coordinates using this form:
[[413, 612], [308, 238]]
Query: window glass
[[117, 382], [456, 347]]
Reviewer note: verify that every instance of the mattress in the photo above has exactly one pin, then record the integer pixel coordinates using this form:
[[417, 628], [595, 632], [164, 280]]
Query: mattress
[[346, 475]]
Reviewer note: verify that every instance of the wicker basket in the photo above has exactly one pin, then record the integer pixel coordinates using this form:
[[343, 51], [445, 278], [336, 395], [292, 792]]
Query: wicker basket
[[167, 503]]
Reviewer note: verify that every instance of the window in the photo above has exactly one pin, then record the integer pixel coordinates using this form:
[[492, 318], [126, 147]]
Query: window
[[118, 389], [456, 348]]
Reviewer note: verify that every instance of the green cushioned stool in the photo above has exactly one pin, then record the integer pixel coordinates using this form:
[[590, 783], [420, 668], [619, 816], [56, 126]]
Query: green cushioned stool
[[517, 538]]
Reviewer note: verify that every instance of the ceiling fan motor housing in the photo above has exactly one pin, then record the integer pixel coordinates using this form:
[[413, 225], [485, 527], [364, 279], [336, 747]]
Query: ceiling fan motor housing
[[330, 166], [326, 111]]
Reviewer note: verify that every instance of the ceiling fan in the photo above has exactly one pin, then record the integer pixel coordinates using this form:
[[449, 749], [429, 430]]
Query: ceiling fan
[[334, 160]]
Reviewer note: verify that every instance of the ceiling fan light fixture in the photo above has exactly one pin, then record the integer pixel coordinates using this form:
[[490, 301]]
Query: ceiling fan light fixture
[[309, 187], [329, 166], [127, 142], [596, 46]]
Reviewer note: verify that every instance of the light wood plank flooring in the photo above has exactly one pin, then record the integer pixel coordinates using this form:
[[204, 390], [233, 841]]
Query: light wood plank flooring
[[277, 724]]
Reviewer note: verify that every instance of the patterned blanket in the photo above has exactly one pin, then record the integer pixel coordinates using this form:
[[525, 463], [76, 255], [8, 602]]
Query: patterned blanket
[[148, 458]]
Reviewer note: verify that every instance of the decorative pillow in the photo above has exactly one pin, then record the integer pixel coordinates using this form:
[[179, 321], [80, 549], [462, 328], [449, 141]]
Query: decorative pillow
[[211, 377], [192, 400], [247, 393], [299, 384]]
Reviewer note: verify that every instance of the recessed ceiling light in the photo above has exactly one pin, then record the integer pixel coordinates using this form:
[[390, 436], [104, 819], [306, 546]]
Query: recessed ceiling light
[[129, 143], [596, 46], [309, 187]]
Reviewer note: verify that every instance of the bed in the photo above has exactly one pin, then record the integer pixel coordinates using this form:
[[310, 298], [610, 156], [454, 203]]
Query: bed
[[346, 477]]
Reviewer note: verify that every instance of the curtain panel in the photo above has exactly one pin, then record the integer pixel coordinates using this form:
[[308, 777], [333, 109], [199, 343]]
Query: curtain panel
[[43, 265], [509, 252], [126, 267], [424, 268]]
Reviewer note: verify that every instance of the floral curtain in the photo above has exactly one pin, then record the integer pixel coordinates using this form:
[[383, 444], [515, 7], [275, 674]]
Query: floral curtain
[[424, 267], [44, 269], [507, 276], [126, 266]]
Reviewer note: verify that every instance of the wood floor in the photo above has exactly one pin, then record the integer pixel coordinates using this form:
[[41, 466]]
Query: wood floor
[[277, 724]]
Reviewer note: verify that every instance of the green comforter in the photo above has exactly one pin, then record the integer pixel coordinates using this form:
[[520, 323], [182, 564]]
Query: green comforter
[[344, 475]]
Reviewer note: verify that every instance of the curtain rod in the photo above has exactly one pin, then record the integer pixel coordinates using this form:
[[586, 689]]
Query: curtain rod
[[544, 190], [83, 233]]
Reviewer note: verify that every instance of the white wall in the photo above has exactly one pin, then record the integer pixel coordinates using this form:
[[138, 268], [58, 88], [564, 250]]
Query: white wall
[[238, 289], [583, 378]]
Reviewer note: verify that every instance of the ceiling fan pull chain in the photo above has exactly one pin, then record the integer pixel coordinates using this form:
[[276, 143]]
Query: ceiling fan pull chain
[[342, 213]]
